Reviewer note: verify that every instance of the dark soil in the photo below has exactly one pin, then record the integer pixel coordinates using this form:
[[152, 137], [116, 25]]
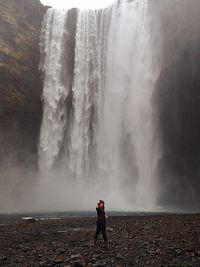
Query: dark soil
[[159, 240]]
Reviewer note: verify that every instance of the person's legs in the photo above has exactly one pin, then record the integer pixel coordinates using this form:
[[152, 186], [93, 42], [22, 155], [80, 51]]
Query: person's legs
[[103, 229], [98, 230]]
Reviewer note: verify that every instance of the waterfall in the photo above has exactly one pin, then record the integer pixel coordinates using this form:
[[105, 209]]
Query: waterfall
[[54, 91], [87, 91], [106, 137], [127, 120]]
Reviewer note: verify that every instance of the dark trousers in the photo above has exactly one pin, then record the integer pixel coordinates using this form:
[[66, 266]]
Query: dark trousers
[[101, 227]]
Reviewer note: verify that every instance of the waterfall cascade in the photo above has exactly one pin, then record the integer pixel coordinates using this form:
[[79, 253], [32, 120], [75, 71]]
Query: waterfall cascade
[[55, 91], [99, 127]]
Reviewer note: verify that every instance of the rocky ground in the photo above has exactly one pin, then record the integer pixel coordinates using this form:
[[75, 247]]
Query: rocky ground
[[159, 240]]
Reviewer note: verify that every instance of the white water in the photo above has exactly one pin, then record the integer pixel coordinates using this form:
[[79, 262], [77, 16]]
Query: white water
[[130, 80], [54, 91], [109, 145], [87, 91]]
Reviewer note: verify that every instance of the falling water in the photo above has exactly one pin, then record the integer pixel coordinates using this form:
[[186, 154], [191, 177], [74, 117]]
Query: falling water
[[127, 134], [109, 136], [55, 91], [87, 91]]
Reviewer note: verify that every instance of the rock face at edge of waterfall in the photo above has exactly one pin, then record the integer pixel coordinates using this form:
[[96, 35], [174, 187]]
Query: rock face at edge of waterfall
[[20, 82], [177, 109]]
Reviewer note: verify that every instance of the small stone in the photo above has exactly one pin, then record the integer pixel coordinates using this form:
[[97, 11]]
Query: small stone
[[75, 256], [29, 220], [25, 250], [186, 264], [86, 253], [150, 252], [137, 259], [119, 256], [4, 258], [57, 261], [42, 263], [99, 262], [158, 251], [178, 251], [61, 251], [95, 256], [78, 264]]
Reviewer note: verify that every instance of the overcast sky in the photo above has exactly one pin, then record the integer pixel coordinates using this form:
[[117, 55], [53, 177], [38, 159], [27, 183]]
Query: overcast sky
[[64, 4]]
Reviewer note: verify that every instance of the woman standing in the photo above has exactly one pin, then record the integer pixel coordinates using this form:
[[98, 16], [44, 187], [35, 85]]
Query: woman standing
[[101, 221]]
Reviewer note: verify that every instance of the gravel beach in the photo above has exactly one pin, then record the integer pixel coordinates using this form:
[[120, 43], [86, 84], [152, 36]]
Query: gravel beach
[[152, 240]]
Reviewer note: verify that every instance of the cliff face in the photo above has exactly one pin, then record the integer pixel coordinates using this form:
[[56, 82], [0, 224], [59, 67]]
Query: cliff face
[[177, 99], [20, 83]]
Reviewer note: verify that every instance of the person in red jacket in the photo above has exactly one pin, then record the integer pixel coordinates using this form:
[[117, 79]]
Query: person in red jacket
[[101, 222]]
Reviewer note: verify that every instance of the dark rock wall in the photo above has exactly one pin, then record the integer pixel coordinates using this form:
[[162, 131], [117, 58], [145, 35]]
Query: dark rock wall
[[20, 83], [177, 103]]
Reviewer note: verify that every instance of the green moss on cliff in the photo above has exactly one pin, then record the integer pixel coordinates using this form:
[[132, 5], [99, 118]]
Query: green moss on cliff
[[20, 83]]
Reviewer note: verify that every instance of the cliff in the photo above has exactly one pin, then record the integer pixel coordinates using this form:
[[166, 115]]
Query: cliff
[[20, 82]]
